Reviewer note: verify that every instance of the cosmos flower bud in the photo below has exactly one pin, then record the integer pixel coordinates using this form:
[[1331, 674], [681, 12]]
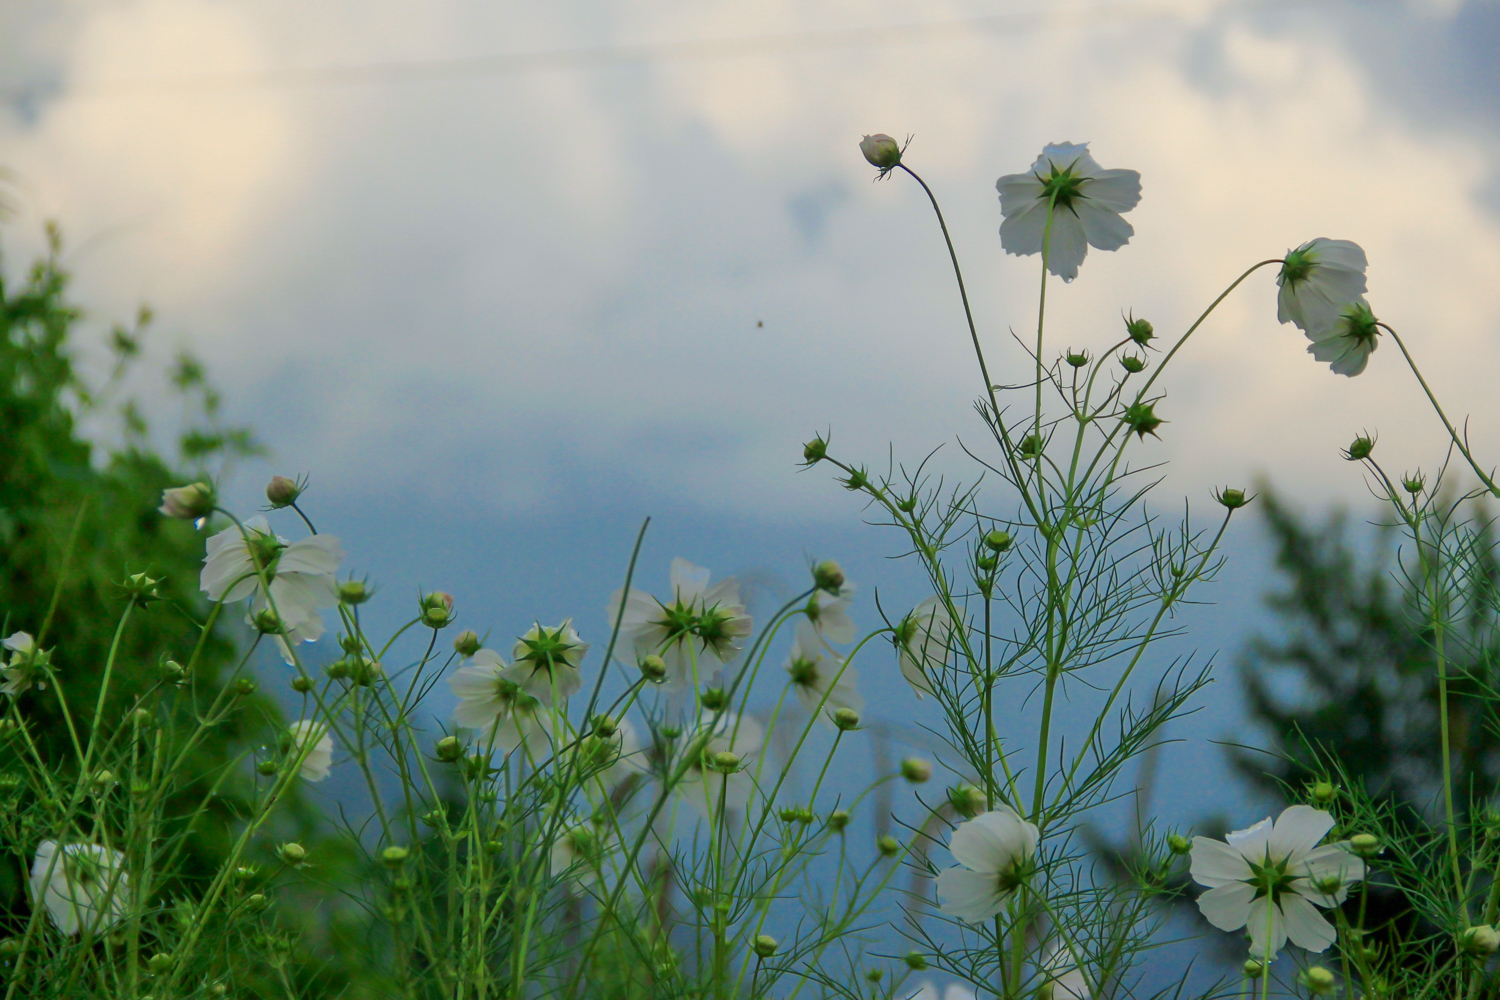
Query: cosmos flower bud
[[828, 575], [188, 503], [256, 902], [815, 451], [267, 622], [140, 717], [1360, 449], [846, 719], [1322, 792], [967, 800], [653, 668], [765, 945], [1031, 446], [1178, 844], [907, 506], [1253, 969], [838, 820], [353, 592], [266, 768], [1139, 330], [1076, 360], [726, 762], [1132, 364], [292, 853], [448, 749], [714, 699], [605, 726], [437, 609], [881, 151], [302, 684], [337, 669], [1232, 499], [916, 770], [1414, 483], [1479, 940], [1366, 845], [159, 963], [1318, 979], [104, 778], [244, 686], [1142, 419], [857, 479], [466, 643], [283, 492], [916, 961], [997, 540], [142, 587], [888, 846]]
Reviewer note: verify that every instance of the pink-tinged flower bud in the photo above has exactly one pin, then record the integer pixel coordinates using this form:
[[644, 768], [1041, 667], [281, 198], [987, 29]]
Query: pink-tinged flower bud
[[467, 643], [188, 502], [283, 492], [881, 151]]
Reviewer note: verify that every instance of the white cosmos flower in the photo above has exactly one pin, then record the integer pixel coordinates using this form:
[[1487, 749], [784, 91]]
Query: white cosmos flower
[[1066, 979], [698, 625], [81, 885], [1267, 878], [25, 666], [925, 639], [1347, 345], [704, 786], [577, 853], [319, 759], [550, 657], [829, 614], [1318, 281], [821, 680], [997, 850], [1086, 201], [492, 698], [301, 574]]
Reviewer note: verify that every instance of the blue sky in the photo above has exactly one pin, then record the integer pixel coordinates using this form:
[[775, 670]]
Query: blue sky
[[501, 316]]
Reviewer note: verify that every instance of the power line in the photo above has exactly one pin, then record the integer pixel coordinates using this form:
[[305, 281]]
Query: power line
[[509, 64]]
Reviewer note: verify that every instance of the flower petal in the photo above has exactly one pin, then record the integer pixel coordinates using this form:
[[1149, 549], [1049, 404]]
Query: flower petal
[[993, 841], [1215, 863], [317, 554], [1256, 924], [1102, 227], [1021, 193], [1068, 245], [688, 581], [1297, 831], [1116, 190], [1021, 233], [1227, 907], [1305, 926], [1251, 841], [968, 895]]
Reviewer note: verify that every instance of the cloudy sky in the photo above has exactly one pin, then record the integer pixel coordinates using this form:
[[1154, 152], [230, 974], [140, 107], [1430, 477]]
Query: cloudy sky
[[504, 279]]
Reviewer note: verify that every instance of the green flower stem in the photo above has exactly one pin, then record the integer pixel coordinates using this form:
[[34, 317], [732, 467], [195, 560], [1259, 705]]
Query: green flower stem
[[62, 574], [1458, 441]]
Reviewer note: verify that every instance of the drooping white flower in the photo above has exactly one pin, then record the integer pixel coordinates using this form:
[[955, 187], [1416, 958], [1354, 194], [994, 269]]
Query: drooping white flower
[[1267, 879], [997, 850], [492, 699], [1318, 281], [577, 853], [1086, 203], [312, 735], [301, 574], [706, 785], [1064, 977], [26, 665], [699, 625], [829, 614], [80, 885], [925, 642], [821, 680], [1347, 345], [550, 658]]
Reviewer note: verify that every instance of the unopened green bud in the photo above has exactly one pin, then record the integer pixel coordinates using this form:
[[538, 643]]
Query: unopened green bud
[[267, 622], [159, 963], [139, 717], [1414, 484], [174, 671], [1232, 499], [394, 856], [1366, 845], [283, 492], [1360, 449], [1178, 844], [1076, 360], [1479, 940], [437, 609], [244, 686], [1140, 330], [337, 669], [1253, 969], [916, 770], [1031, 446], [857, 479], [726, 762], [846, 719], [714, 699], [916, 961], [880, 150], [815, 451], [1318, 979], [433, 817], [997, 541], [838, 820], [653, 668], [188, 503], [669, 733], [1141, 418], [449, 749], [256, 902], [875, 975], [967, 800], [246, 873], [605, 726], [888, 846], [985, 563], [765, 945], [1132, 364], [1322, 792], [467, 643], [907, 506], [354, 592], [266, 768], [828, 575], [292, 853], [9, 946], [302, 684], [104, 779]]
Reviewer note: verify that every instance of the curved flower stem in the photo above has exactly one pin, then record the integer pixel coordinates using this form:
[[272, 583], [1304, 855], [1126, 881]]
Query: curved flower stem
[[989, 386], [1458, 441]]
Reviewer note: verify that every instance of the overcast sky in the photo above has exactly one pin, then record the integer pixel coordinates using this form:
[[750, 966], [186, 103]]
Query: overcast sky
[[506, 278]]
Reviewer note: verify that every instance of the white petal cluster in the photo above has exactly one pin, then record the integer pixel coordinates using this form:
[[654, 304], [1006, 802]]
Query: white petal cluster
[[1322, 290], [313, 736], [924, 642], [22, 668], [82, 886], [493, 699], [301, 577], [821, 680], [829, 614], [996, 850], [704, 786], [1267, 879], [549, 658], [695, 631], [1086, 204]]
